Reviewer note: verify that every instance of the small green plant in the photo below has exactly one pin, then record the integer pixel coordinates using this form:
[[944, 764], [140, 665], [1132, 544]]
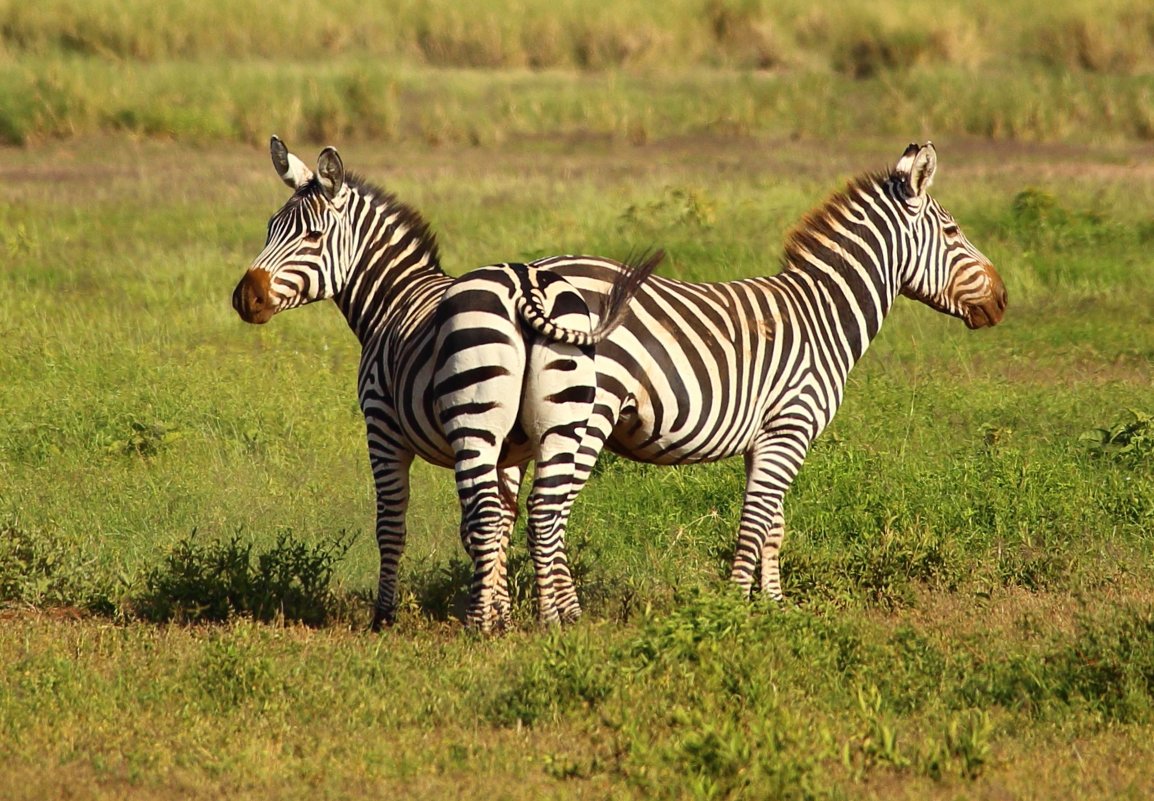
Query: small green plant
[[676, 208], [963, 749], [567, 674], [145, 439], [232, 671], [877, 741]]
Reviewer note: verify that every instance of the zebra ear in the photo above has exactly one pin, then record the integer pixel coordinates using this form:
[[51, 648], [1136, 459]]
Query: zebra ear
[[915, 169], [331, 171], [921, 170], [290, 169]]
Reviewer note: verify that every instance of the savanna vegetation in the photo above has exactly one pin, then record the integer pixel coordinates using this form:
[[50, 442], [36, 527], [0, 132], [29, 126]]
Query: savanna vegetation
[[186, 557]]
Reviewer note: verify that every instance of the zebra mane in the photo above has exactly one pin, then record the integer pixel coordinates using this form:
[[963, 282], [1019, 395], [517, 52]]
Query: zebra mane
[[406, 215], [818, 224]]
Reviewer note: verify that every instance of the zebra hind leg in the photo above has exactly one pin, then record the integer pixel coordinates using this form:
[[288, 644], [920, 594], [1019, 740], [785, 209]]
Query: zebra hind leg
[[484, 533], [557, 403], [509, 482], [592, 443]]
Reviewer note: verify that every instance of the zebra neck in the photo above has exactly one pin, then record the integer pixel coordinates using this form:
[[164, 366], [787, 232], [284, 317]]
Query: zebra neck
[[395, 264], [846, 296]]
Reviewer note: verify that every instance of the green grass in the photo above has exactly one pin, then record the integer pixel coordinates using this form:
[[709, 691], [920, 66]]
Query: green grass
[[967, 563]]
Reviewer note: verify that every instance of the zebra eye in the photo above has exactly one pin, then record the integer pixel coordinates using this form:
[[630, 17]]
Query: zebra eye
[[950, 229], [313, 237]]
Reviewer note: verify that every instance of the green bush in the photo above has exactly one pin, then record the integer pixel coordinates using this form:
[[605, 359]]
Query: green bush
[[215, 581]]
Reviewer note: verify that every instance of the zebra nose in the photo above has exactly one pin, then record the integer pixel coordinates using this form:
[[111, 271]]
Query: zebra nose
[[252, 298]]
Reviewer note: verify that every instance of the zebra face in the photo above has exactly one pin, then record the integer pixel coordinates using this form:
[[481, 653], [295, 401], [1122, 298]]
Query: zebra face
[[299, 262], [945, 271]]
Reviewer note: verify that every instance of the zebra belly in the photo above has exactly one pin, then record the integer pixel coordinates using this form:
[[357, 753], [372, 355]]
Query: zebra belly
[[639, 436]]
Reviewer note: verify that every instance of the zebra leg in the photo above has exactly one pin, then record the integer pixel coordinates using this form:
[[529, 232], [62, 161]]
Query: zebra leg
[[509, 484], [484, 533], [770, 568], [592, 443], [391, 476], [548, 510], [770, 467]]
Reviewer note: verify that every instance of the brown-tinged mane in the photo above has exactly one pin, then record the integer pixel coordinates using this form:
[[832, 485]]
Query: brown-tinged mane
[[818, 223], [406, 215]]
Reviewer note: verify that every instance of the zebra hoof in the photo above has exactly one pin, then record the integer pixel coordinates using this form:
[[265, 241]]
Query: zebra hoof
[[382, 618]]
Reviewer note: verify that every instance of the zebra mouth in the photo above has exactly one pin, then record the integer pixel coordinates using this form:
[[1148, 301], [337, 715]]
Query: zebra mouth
[[990, 312], [252, 299]]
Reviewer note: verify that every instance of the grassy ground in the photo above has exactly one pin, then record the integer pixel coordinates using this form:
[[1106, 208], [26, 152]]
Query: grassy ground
[[968, 558]]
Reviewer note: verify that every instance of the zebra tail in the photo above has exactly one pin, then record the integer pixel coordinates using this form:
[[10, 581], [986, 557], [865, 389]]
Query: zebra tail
[[636, 270]]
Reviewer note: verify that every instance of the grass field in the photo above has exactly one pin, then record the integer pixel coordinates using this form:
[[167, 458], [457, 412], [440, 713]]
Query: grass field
[[186, 557]]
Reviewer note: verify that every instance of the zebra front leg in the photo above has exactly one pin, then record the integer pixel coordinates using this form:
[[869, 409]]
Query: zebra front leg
[[391, 476], [770, 467]]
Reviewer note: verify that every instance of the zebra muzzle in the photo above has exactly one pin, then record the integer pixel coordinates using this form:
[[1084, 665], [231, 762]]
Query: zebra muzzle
[[252, 297], [990, 310]]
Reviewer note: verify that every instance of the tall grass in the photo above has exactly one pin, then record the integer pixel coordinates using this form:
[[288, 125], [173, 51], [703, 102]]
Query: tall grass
[[485, 73], [1109, 37]]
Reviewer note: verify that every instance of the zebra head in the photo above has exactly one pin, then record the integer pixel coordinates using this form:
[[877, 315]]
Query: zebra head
[[945, 271], [303, 259]]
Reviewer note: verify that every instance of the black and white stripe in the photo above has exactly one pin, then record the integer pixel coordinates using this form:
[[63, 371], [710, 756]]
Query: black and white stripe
[[481, 373]]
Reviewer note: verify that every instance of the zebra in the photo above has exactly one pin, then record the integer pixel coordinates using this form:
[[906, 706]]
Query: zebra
[[513, 380], [699, 372]]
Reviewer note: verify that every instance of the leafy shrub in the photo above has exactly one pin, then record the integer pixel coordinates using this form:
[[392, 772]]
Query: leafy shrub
[[696, 629], [1129, 442], [1102, 43], [38, 569], [1109, 666], [1043, 222], [216, 581], [868, 53], [439, 590], [744, 35]]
